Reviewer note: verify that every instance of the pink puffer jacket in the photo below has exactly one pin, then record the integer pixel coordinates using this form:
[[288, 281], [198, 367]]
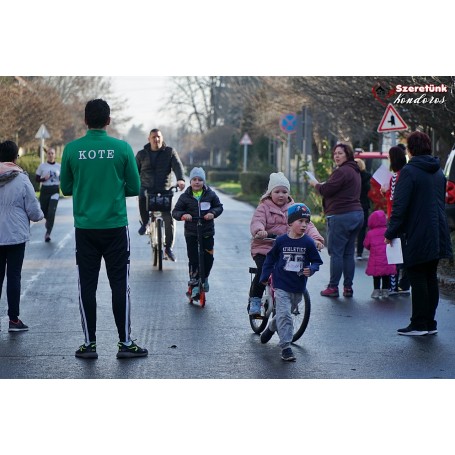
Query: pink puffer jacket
[[273, 219], [374, 241]]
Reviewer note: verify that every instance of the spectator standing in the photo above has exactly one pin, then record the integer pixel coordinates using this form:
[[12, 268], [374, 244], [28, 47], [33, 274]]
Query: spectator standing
[[418, 217], [18, 206], [101, 223], [156, 162], [377, 266], [399, 282], [344, 213], [48, 174]]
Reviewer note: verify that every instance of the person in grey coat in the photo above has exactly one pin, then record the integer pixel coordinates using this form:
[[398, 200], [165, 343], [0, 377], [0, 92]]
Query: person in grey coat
[[18, 206], [419, 219]]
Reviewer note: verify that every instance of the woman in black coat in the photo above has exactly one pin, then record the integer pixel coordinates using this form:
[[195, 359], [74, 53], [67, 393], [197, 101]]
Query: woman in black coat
[[418, 218]]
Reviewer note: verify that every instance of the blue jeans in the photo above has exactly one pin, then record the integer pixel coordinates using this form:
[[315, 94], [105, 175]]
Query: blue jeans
[[342, 231]]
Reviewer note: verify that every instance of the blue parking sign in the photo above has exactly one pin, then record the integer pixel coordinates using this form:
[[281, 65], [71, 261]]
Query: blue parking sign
[[288, 123]]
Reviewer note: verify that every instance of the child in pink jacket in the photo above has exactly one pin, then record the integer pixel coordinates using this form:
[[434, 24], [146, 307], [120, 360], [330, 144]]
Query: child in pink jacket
[[378, 267], [270, 218]]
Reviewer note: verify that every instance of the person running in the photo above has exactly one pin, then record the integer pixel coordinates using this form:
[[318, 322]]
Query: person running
[[156, 162], [18, 206], [292, 259], [48, 174], [101, 223], [270, 219]]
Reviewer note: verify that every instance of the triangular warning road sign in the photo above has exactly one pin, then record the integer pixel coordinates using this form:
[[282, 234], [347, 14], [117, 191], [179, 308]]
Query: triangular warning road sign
[[245, 140], [391, 121], [42, 133]]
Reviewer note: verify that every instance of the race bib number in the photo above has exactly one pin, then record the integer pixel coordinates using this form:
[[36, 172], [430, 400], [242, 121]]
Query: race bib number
[[205, 205], [293, 266]]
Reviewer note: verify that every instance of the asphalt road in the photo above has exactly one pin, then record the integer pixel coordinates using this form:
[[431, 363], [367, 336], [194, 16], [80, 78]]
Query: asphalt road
[[345, 339]]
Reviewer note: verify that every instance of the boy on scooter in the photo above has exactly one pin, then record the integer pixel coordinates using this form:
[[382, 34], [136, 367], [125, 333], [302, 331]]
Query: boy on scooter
[[198, 200]]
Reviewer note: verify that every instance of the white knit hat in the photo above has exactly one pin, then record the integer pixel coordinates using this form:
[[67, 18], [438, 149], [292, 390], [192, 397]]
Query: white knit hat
[[277, 179], [197, 172]]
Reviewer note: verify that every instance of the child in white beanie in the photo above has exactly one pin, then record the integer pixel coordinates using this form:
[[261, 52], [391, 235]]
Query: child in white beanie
[[198, 200], [270, 218]]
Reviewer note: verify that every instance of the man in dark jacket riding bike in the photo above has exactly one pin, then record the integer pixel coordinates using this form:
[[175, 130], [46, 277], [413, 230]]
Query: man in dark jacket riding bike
[[156, 162]]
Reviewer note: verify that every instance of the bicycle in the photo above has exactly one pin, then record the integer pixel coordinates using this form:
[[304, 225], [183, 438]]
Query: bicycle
[[299, 319], [200, 297], [156, 203]]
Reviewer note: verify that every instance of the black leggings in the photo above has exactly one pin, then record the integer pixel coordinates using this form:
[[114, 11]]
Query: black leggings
[[385, 282], [257, 288], [49, 204]]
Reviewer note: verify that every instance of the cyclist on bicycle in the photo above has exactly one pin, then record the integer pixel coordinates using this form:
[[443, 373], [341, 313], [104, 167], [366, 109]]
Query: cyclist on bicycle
[[270, 218], [199, 200], [292, 259], [156, 162]]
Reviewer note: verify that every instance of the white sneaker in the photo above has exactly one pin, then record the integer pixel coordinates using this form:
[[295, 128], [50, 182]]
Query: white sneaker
[[376, 294], [385, 293]]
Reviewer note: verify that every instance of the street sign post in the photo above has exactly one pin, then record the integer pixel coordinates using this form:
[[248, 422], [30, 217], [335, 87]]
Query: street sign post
[[42, 134], [245, 141], [391, 122], [288, 124]]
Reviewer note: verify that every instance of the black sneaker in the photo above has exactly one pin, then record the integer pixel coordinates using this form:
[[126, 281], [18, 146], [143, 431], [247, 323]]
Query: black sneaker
[[287, 355], [17, 326], [87, 352], [169, 253], [142, 229], [404, 291], [411, 331], [266, 335], [127, 352]]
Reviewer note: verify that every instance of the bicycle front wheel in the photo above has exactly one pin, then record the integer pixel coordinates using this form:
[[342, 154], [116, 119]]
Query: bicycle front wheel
[[159, 243], [153, 243], [301, 316]]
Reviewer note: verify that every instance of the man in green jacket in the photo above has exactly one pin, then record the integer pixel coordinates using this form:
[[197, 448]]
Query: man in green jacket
[[99, 171]]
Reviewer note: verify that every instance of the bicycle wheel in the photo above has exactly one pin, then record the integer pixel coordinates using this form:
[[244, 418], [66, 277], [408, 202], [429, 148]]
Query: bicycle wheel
[[159, 243], [258, 324], [153, 243], [301, 316]]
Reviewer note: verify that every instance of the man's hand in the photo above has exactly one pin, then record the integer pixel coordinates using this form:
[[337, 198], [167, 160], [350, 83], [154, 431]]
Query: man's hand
[[181, 184], [319, 245]]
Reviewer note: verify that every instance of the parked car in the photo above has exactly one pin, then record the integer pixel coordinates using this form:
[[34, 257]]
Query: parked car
[[372, 161], [449, 172]]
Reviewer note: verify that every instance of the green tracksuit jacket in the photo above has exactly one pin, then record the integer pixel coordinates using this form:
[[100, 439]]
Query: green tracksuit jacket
[[99, 171]]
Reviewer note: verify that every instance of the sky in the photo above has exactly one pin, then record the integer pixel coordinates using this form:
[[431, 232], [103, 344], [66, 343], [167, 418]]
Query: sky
[[181, 38], [145, 95]]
